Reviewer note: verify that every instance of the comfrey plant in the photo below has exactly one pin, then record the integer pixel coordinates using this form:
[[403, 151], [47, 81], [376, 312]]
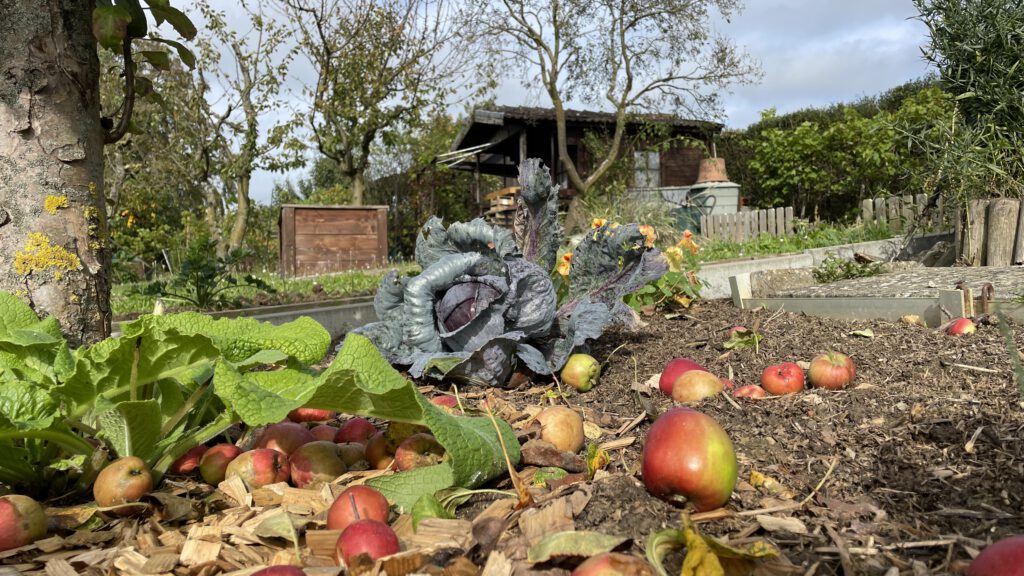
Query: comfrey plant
[[485, 300]]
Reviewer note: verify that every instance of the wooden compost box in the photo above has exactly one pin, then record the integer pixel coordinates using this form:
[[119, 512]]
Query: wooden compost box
[[320, 239]]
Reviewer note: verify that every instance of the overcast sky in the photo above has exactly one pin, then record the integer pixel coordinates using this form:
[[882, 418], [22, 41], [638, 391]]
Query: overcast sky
[[813, 53]]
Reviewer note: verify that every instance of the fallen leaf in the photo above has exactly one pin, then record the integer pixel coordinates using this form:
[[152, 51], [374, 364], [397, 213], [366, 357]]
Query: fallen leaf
[[575, 543], [783, 524], [705, 556], [865, 333], [282, 525]]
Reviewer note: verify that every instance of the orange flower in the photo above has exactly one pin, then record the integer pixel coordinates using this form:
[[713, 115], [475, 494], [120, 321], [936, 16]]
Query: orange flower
[[598, 222], [563, 264], [649, 235], [688, 243]]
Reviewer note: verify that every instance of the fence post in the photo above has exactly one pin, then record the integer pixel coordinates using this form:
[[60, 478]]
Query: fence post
[[880, 217], [974, 237], [867, 211], [773, 229], [1000, 231], [893, 208], [788, 220]]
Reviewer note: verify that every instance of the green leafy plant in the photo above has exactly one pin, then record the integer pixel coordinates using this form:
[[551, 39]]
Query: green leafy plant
[[204, 280], [834, 268]]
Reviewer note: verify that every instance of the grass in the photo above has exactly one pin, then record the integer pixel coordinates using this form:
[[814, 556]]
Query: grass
[[818, 236], [129, 299]]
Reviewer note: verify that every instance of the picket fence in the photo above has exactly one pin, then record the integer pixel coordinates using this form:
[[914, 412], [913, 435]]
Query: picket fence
[[747, 225], [899, 213]]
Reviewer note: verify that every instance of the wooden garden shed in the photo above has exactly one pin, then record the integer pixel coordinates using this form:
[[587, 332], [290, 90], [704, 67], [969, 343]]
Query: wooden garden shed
[[320, 239]]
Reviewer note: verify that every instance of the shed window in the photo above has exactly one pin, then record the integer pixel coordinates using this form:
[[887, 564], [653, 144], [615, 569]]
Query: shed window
[[646, 169]]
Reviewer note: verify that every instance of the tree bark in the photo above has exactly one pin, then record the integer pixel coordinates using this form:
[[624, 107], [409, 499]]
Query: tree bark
[[53, 232], [238, 228]]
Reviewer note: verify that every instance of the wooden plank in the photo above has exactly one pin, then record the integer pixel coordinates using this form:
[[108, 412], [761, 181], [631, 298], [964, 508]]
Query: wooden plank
[[780, 222], [919, 202], [286, 241], [1001, 231], [772, 228], [308, 242], [1018, 244], [704, 225], [974, 244], [880, 217], [788, 219], [367, 224], [958, 231], [739, 285], [762, 222], [867, 211], [907, 211], [951, 302], [892, 209]]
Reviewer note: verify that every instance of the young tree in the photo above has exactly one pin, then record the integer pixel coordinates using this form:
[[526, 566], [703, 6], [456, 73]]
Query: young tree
[[380, 68], [53, 231], [622, 56]]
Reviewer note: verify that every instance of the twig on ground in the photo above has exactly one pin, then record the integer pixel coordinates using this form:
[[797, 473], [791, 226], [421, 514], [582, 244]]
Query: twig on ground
[[844, 550]]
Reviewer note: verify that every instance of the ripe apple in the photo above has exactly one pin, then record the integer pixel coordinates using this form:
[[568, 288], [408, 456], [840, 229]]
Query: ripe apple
[[188, 461], [324, 432], [371, 537], [378, 452], [352, 454], [280, 571], [397, 431], [1002, 558], [311, 415], [318, 461], [749, 391], [356, 429], [581, 371], [123, 481], [673, 370], [22, 521], [613, 564], [417, 451], [831, 370], [284, 437], [562, 427], [214, 463], [689, 456], [260, 467], [359, 502], [960, 327], [696, 385], [785, 378], [447, 401]]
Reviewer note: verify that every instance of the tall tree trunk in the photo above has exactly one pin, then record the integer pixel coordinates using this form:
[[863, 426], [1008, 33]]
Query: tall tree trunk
[[358, 188], [53, 230], [241, 213]]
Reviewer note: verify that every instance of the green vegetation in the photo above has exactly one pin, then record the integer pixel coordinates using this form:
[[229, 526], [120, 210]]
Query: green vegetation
[[833, 269], [807, 236]]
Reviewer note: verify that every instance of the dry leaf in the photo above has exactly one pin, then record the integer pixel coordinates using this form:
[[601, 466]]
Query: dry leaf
[[582, 543], [784, 524]]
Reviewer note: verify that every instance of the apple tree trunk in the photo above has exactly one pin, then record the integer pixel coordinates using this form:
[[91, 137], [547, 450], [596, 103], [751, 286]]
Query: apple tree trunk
[[53, 234]]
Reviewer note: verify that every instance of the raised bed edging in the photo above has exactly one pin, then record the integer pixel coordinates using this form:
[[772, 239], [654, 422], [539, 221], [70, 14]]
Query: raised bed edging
[[717, 274]]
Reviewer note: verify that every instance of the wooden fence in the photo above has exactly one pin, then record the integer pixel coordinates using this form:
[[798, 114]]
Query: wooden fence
[[747, 225], [900, 212], [991, 232]]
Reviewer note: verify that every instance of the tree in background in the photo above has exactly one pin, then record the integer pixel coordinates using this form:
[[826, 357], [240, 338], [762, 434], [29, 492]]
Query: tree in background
[[625, 57], [381, 68], [53, 229]]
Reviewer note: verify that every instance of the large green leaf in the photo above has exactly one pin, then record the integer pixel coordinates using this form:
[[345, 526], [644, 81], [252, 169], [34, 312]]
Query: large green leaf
[[133, 428], [110, 25], [176, 18], [262, 397]]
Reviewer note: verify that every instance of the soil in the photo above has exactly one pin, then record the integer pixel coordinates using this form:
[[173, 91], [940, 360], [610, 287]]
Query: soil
[[911, 470]]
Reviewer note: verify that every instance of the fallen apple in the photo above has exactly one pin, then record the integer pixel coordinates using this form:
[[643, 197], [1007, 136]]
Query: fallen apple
[[749, 391], [259, 467], [123, 481], [831, 370], [1003, 558], [188, 461], [353, 453], [673, 370], [356, 429], [613, 564], [284, 437], [581, 371], [279, 571], [318, 461], [22, 521], [785, 378], [324, 432], [447, 401], [688, 456], [961, 327], [417, 451], [214, 463], [562, 427], [378, 452], [359, 502], [696, 385], [371, 537], [397, 431], [311, 415]]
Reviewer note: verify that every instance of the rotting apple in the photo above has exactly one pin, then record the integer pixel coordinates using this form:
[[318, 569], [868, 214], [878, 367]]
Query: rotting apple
[[123, 481], [673, 370], [696, 385], [689, 456], [282, 570], [359, 502], [417, 451], [324, 432], [356, 429], [188, 461], [749, 391], [831, 370], [259, 467], [581, 371], [214, 463], [378, 452], [562, 427], [784, 378], [22, 521], [397, 431], [311, 415], [370, 537], [613, 564], [353, 454], [318, 461], [284, 437], [1002, 558], [961, 327], [728, 384]]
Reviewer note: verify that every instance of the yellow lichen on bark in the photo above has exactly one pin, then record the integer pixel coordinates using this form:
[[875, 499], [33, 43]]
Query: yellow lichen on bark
[[39, 255], [53, 203]]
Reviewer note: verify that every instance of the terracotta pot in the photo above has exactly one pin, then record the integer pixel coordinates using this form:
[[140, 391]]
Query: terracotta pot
[[712, 170]]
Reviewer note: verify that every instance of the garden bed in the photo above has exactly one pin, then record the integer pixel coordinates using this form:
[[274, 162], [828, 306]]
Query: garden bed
[[915, 467]]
